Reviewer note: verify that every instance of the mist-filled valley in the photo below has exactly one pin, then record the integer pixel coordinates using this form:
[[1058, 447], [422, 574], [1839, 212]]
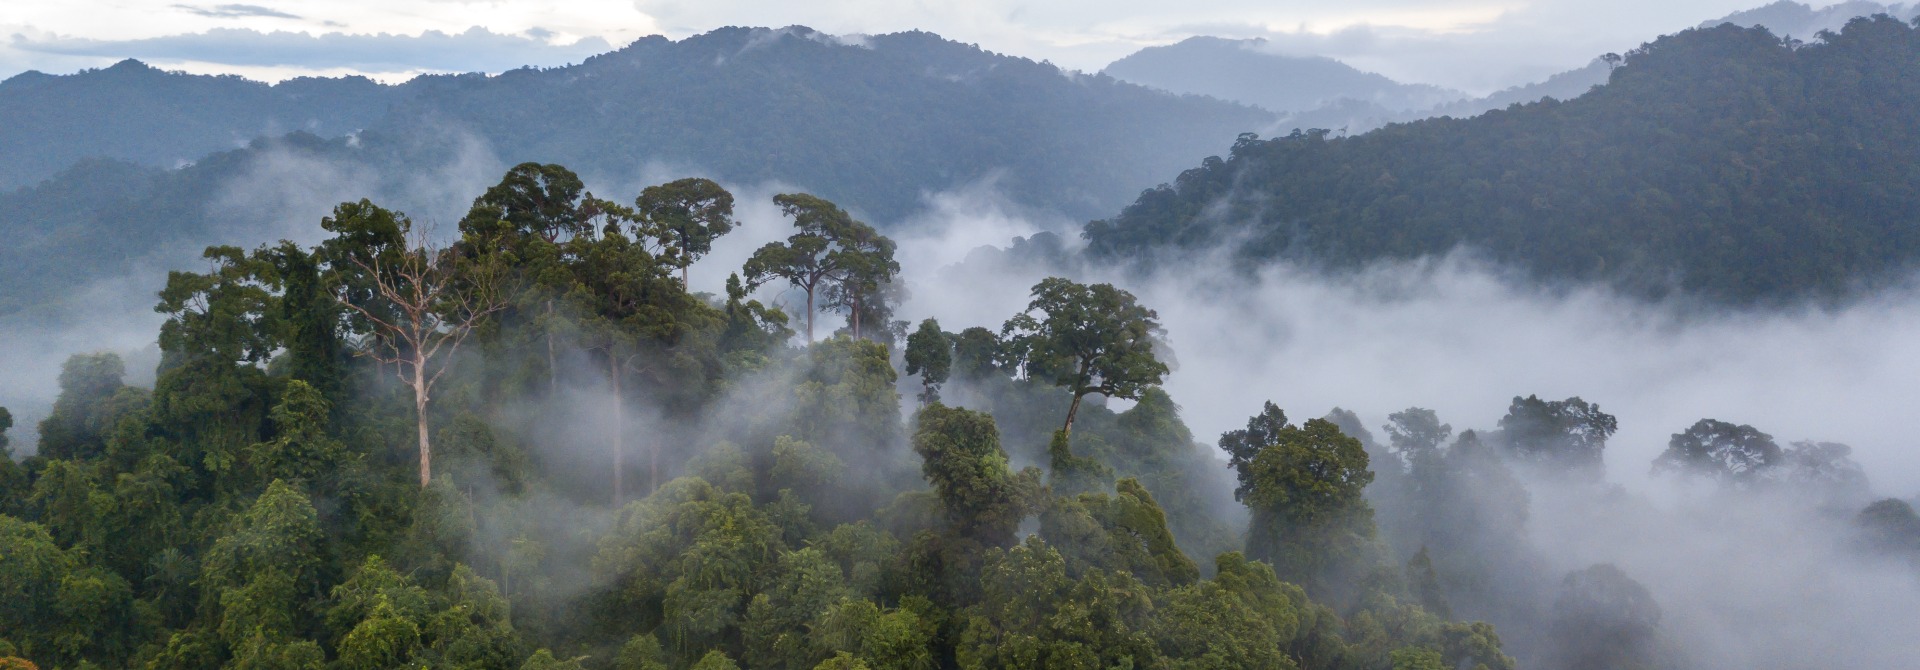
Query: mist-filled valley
[[768, 348]]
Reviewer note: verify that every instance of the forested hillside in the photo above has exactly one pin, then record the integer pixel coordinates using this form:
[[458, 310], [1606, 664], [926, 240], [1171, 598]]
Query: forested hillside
[[876, 126], [540, 448], [134, 113], [872, 125], [1722, 162]]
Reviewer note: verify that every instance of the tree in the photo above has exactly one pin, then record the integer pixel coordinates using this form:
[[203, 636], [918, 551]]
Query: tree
[[1726, 453], [866, 283], [1603, 619], [1304, 488], [976, 353], [1092, 339], [301, 449], [1566, 436], [423, 306], [628, 310], [1414, 432], [77, 426], [982, 497], [1891, 526], [309, 318], [830, 249], [1824, 469], [13, 479], [930, 355], [688, 214], [1242, 446]]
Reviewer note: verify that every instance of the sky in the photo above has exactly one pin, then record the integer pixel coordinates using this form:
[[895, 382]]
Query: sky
[[1473, 45]]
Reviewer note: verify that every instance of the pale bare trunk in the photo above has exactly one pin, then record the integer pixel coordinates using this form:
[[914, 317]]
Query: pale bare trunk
[[420, 416]]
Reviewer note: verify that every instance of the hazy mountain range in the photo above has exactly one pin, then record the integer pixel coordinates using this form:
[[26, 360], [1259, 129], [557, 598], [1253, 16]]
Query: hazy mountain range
[[1318, 92], [874, 125]]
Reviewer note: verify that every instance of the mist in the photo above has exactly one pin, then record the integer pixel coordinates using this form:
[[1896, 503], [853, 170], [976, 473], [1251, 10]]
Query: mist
[[1743, 581]]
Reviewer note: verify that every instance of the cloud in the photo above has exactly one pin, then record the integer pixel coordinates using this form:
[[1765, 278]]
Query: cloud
[[476, 49], [235, 11]]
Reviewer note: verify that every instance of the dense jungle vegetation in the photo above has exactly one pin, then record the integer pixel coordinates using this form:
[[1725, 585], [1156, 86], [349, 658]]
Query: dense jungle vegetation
[[537, 447]]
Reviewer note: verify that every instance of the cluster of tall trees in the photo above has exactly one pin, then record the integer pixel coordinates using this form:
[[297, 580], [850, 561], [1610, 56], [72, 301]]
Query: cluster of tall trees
[[397, 449], [1722, 162], [401, 448]]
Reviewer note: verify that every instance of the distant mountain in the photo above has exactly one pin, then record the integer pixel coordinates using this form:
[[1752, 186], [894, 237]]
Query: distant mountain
[[1722, 162], [873, 125], [135, 113], [1245, 71], [1354, 117], [1803, 22]]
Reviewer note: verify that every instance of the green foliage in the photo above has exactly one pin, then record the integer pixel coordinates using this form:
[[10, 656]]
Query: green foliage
[[1891, 526], [1563, 437], [1126, 531], [1717, 450], [78, 425], [1658, 181], [1604, 619], [261, 508], [930, 355], [983, 499], [1303, 485], [831, 254], [688, 215], [1090, 339]]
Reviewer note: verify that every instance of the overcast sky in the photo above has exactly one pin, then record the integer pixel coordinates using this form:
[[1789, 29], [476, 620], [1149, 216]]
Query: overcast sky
[[1476, 45]]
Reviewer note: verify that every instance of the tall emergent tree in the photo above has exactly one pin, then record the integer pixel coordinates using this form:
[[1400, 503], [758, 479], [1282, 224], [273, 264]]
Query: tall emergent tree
[[868, 271], [831, 251], [688, 215], [1565, 437], [422, 307], [1090, 339], [1304, 486], [1733, 455], [930, 355]]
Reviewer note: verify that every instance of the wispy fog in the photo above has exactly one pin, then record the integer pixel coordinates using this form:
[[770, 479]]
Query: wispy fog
[[1743, 580]]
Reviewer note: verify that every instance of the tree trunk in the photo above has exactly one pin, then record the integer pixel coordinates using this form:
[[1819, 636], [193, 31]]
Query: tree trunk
[[1072, 410], [809, 316], [619, 430], [856, 317], [684, 284], [420, 416], [553, 370]]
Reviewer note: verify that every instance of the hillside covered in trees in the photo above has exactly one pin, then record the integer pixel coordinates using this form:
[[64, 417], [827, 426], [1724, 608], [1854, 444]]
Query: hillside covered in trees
[[1722, 162], [134, 113], [538, 447], [875, 125]]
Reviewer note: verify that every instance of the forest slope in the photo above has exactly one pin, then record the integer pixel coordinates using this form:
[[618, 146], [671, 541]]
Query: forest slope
[[136, 113], [875, 125], [1723, 162]]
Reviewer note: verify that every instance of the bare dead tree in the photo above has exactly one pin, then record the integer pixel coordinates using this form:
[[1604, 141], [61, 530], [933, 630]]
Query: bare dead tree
[[433, 307]]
